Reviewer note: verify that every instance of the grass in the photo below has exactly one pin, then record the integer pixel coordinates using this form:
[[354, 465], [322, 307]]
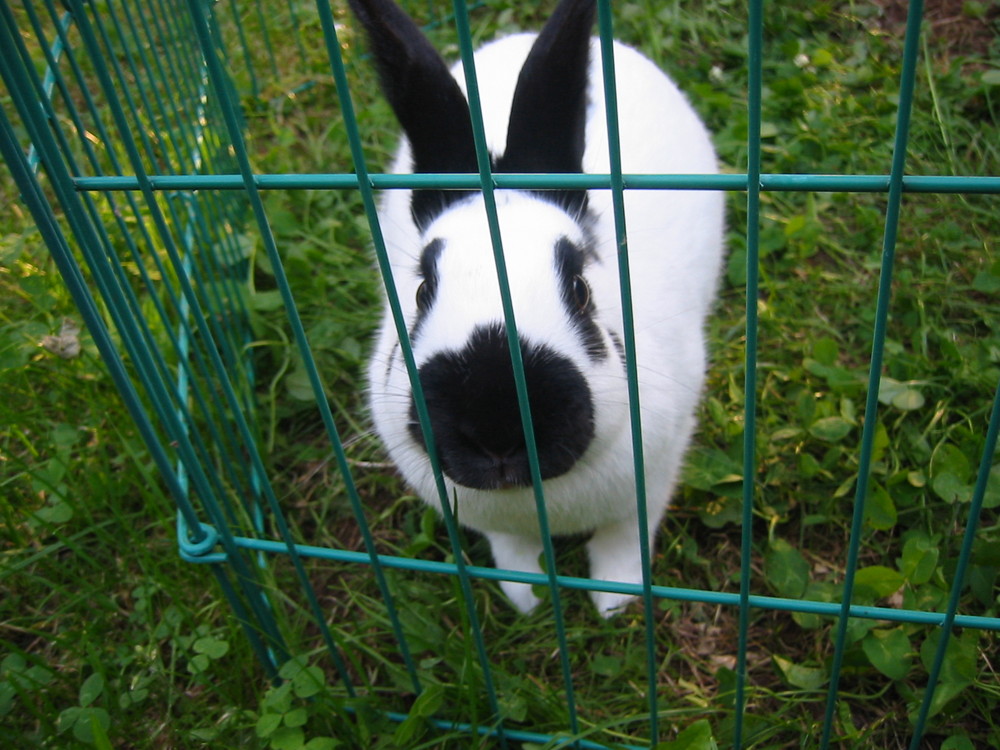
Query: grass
[[109, 639]]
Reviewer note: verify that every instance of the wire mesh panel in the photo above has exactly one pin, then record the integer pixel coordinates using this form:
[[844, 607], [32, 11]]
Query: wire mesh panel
[[140, 134]]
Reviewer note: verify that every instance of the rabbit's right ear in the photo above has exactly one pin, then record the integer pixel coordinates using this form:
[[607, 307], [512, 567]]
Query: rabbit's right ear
[[426, 98], [548, 116]]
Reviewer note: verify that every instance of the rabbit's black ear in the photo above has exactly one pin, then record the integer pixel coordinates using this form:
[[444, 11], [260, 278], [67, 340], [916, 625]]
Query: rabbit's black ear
[[426, 98], [548, 116]]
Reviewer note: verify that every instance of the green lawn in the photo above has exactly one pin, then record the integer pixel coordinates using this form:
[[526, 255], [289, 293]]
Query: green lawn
[[108, 639]]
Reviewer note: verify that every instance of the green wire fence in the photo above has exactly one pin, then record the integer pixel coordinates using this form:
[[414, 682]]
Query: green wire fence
[[123, 129]]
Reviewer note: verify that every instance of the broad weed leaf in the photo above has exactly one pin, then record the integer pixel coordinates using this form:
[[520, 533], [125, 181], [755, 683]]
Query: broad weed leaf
[[787, 572], [878, 580], [919, 560], [831, 429], [91, 689], [888, 651], [880, 510], [697, 736], [797, 675]]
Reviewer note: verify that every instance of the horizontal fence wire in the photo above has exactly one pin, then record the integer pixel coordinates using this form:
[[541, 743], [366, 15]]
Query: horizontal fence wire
[[970, 185], [150, 234], [804, 606]]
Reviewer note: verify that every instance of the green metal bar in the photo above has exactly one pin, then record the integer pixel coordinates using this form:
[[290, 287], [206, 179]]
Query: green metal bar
[[908, 77], [514, 345], [519, 735], [189, 71], [755, 45], [143, 80], [368, 199], [201, 22], [105, 64], [132, 323], [958, 577], [179, 85], [780, 604], [85, 228], [980, 185], [339, 71], [631, 359], [244, 47], [52, 53]]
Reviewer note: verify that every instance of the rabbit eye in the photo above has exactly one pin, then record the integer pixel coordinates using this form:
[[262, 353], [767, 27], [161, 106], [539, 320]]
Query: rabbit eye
[[424, 296], [581, 292]]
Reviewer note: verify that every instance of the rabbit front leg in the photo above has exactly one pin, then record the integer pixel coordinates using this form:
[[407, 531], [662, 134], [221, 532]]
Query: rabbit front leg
[[615, 556], [515, 552]]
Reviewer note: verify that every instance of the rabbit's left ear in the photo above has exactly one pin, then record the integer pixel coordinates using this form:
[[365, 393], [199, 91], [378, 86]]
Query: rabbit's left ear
[[426, 99], [548, 116]]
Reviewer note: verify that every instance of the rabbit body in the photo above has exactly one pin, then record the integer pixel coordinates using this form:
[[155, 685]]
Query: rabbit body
[[562, 267]]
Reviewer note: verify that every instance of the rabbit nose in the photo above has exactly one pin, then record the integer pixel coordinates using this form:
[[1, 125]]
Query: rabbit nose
[[508, 470], [476, 419], [498, 456], [502, 459], [496, 442]]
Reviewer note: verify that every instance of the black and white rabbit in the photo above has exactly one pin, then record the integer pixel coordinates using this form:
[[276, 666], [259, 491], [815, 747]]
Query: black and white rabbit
[[543, 106]]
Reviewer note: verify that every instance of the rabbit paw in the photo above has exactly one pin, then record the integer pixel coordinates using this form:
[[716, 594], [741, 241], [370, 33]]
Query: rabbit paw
[[614, 556], [520, 595], [517, 553], [609, 604]]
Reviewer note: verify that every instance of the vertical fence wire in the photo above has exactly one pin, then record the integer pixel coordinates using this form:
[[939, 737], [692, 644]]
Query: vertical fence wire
[[88, 230], [471, 624], [754, 87], [237, 20], [631, 359], [208, 42], [520, 382], [958, 578], [907, 81], [336, 61]]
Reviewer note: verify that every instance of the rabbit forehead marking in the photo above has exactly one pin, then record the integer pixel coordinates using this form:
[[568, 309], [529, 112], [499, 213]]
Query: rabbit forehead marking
[[427, 289], [570, 260], [542, 252]]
